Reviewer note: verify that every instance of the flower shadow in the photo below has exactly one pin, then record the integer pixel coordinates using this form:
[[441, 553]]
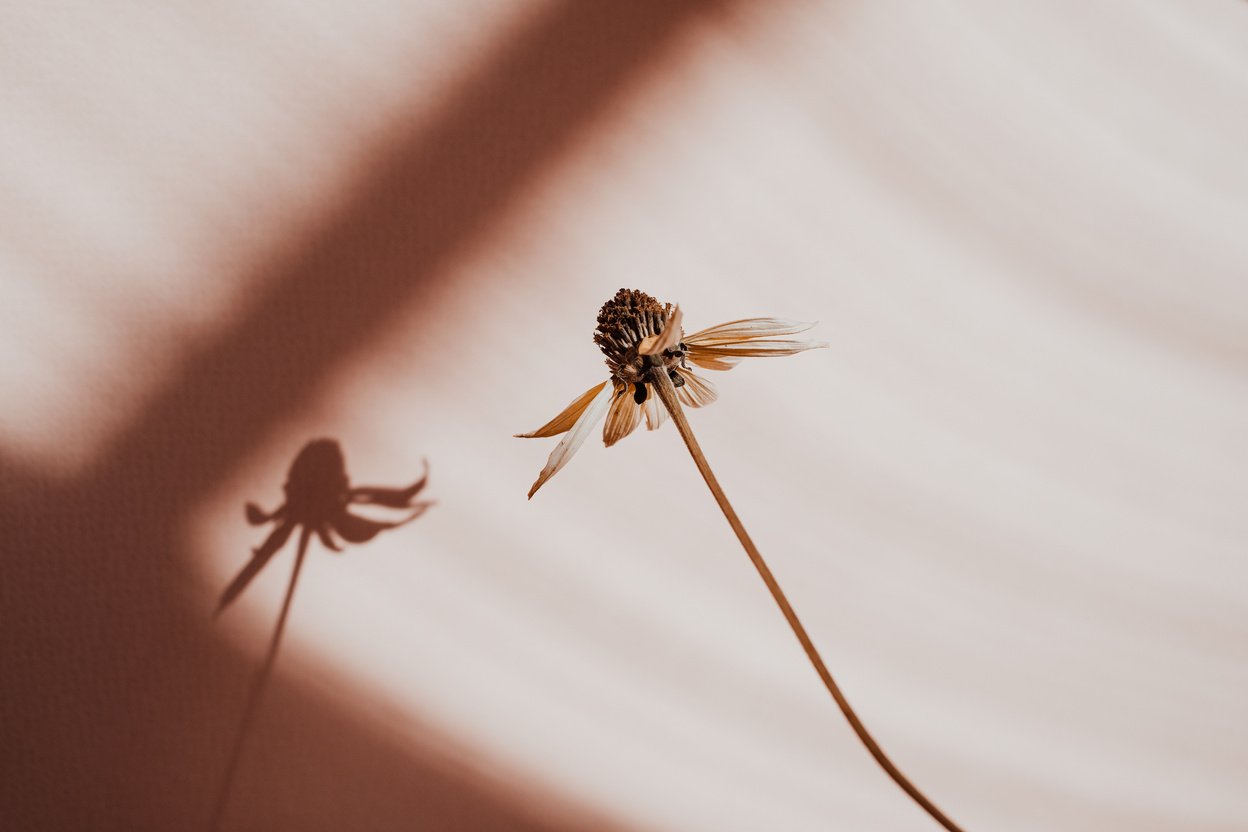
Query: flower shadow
[[318, 500], [319, 497], [123, 699]]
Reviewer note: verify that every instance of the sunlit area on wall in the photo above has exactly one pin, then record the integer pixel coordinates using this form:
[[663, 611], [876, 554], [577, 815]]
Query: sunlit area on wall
[[280, 285]]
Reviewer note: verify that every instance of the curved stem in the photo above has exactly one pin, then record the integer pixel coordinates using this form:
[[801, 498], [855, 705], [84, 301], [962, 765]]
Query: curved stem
[[257, 690], [667, 393]]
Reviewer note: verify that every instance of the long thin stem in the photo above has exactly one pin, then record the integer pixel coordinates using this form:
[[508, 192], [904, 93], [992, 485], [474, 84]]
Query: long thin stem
[[667, 393], [257, 690]]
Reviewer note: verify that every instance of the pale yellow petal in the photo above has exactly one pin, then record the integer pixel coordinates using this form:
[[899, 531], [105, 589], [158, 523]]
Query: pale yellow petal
[[747, 329], [696, 391], [623, 417], [576, 437], [565, 420], [668, 338], [655, 412], [752, 349]]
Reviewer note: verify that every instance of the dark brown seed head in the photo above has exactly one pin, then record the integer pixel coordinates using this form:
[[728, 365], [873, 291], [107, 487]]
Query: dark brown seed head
[[623, 322]]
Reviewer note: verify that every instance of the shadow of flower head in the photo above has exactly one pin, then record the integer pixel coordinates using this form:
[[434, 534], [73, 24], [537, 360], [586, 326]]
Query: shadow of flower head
[[319, 497]]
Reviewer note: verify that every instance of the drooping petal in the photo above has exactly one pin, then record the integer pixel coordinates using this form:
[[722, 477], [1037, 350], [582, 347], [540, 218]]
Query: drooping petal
[[623, 417], [327, 538], [390, 497], [665, 340], [746, 329], [257, 516], [355, 529], [711, 362], [565, 420], [655, 412], [696, 391], [417, 510], [569, 445], [752, 349]]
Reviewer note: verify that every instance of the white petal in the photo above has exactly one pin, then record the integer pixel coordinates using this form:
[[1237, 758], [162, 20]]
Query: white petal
[[746, 330], [576, 437], [696, 391], [655, 412], [668, 338], [755, 349], [623, 417], [565, 420]]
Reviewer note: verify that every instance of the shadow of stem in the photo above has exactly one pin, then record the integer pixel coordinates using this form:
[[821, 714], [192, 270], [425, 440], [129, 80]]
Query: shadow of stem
[[257, 691]]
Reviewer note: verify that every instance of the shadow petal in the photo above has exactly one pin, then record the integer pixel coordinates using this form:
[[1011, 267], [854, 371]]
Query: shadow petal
[[257, 516], [327, 538], [355, 529], [390, 497]]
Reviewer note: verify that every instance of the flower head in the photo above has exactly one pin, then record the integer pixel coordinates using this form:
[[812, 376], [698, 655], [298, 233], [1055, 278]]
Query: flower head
[[640, 336]]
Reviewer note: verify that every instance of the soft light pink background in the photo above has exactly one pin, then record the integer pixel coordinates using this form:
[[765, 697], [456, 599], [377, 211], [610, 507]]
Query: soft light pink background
[[1008, 501]]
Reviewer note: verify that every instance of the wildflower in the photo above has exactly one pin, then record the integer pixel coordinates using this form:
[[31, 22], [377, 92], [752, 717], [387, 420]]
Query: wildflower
[[649, 356], [639, 335]]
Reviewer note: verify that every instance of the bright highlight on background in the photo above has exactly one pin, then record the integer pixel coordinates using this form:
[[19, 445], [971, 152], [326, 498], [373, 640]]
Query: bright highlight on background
[[1007, 502]]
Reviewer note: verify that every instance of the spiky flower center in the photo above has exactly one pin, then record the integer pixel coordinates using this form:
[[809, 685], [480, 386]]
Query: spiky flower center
[[623, 323]]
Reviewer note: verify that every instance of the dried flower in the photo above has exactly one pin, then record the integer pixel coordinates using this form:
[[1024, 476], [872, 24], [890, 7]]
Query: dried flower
[[649, 355], [638, 335]]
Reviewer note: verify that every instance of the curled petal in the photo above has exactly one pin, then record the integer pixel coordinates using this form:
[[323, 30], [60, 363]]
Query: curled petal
[[668, 338], [696, 391], [747, 329], [565, 420], [569, 445], [622, 418], [754, 349], [655, 412], [390, 497]]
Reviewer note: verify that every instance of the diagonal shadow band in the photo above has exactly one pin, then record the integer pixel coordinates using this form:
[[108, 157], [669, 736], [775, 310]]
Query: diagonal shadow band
[[429, 202], [125, 692]]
